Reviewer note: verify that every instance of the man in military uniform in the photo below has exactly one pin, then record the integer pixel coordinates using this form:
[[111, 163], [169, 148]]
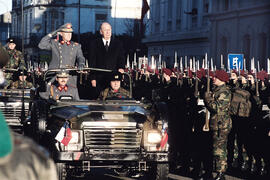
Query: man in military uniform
[[22, 82], [218, 103], [115, 90], [16, 60], [62, 88], [64, 51]]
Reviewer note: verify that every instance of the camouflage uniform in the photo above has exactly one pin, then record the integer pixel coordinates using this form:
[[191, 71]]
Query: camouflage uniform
[[220, 123], [19, 85], [27, 161], [109, 93], [16, 60]]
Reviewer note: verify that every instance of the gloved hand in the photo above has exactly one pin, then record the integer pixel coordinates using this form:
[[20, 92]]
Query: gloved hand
[[80, 67], [208, 96]]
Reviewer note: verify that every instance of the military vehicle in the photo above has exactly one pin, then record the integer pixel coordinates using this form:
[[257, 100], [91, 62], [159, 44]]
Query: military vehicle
[[125, 135], [14, 104]]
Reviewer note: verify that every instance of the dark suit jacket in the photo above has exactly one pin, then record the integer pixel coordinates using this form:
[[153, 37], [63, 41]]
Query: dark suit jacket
[[100, 58]]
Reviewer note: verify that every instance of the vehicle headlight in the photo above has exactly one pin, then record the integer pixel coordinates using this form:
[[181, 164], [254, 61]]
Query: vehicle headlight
[[75, 137], [153, 137]]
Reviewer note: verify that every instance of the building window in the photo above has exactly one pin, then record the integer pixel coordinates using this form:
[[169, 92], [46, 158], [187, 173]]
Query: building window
[[169, 9], [224, 47], [178, 14], [226, 5], [246, 47], [194, 13], [206, 6], [169, 25], [157, 10], [156, 26], [262, 49]]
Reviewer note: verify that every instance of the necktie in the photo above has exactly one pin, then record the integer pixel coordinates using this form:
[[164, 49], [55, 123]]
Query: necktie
[[106, 46]]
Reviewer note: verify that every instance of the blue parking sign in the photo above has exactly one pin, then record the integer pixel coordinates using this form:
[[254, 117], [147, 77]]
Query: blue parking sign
[[236, 61]]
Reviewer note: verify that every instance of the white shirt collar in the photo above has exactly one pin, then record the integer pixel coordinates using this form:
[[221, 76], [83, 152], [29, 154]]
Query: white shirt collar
[[104, 41]]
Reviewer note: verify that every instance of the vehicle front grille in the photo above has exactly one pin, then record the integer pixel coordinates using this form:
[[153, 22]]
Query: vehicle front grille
[[116, 138], [12, 112]]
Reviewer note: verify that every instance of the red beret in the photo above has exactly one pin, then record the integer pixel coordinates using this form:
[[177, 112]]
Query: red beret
[[199, 74], [222, 75], [262, 75], [234, 71], [242, 73], [167, 71], [149, 69]]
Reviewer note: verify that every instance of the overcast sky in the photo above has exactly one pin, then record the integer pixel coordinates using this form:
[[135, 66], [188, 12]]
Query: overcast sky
[[5, 6]]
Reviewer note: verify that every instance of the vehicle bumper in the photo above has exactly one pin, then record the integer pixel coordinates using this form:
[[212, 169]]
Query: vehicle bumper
[[112, 156]]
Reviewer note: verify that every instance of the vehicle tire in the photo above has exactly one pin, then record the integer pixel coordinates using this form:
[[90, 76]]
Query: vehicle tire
[[160, 171], [61, 171]]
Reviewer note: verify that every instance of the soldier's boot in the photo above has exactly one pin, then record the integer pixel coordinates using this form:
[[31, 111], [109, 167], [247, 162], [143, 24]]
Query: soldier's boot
[[220, 176]]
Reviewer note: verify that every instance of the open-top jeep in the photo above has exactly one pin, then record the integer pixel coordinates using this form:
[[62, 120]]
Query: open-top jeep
[[125, 135]]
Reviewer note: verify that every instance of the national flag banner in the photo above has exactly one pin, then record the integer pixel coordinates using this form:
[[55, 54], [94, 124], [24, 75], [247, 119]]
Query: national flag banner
[[65, 134], [145, 8]]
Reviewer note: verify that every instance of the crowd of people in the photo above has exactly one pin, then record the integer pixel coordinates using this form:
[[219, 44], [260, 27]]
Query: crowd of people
[[232, 138]]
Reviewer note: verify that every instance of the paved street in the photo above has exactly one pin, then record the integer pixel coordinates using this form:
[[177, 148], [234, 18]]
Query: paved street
[[109, 175]]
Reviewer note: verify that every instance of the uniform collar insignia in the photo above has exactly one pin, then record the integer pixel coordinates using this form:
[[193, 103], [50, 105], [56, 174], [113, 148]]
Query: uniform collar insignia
[[63, 42], [65, 88]]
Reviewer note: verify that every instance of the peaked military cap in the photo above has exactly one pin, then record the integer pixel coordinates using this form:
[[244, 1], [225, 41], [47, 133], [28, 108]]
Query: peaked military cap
[[66, 28], [11, 40], [62, 74], [116, 76]]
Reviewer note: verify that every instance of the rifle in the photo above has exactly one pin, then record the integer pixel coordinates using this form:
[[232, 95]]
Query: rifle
[[256, 84], [206, 125]]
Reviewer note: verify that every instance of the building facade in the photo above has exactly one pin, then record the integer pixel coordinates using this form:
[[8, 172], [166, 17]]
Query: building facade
[[195, 27], [5, 26], [44, 16]]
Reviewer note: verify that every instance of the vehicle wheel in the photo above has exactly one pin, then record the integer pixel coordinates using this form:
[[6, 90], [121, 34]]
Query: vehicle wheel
[[61, 171], [160, 171]]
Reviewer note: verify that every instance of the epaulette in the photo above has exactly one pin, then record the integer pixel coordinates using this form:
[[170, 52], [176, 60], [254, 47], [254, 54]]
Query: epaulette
[[71, 86]]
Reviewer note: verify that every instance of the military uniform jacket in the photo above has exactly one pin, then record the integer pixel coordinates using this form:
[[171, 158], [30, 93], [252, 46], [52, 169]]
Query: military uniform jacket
[[64, 55], [27, 161], [56, 92], [109, 93], [219, 106], [15, 59]]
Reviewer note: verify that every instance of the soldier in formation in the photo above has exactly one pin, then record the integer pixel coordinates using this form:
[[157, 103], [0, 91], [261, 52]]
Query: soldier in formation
[[190, 144], [16, 61]]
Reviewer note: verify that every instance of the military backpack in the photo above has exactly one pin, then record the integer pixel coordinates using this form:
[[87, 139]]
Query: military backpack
[[240, 103]]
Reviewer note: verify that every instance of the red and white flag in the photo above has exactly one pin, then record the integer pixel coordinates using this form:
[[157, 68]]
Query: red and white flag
[[64, 135]]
